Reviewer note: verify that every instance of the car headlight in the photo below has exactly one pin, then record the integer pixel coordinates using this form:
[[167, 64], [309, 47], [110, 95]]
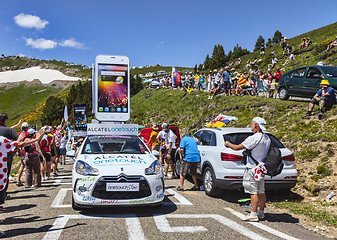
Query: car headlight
[[154, 168], [85, 169]]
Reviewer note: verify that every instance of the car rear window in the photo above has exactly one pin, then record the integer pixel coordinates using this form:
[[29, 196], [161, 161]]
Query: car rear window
[[238, 138], [330, 71], [113, 145]]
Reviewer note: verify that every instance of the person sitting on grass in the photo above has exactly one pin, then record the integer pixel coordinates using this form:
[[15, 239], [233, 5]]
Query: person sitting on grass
[[302, 45], [332, 44], [215, 90], [325, 96], [307, 43]]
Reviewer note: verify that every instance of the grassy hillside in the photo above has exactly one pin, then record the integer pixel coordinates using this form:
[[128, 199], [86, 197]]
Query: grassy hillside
[[17, 101], [320, 38], [313, 142]]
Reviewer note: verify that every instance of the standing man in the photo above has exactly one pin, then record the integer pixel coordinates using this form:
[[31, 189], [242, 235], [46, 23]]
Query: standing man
[[258, 144], [190, 160], [325, 97], [169, 149], [153, 142], [9, 133], [226, 82]]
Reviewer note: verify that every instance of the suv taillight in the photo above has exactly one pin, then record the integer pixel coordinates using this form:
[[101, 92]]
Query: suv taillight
[[230, 157], [289, 158]]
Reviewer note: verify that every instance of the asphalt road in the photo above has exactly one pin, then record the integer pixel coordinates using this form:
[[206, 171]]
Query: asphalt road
[[46, 213]]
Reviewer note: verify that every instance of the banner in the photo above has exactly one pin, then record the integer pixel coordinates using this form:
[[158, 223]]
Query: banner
[[220, 121], [175, 77], [112, 129]]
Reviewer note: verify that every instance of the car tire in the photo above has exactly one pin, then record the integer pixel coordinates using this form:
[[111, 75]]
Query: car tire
[[283, 94], [178, 162], [73, 205], [208, 179]]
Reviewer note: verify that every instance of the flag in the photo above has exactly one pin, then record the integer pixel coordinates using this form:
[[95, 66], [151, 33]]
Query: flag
[[175, 77], [220, 121]]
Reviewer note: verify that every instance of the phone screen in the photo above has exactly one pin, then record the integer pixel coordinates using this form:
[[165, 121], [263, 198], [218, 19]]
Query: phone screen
[[112, 88], [80, 116]]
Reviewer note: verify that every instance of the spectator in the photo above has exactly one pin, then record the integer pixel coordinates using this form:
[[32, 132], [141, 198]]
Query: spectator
[[10, 134], [226, 81], [308, 43], [331, 45], [32, 161], [169, 149], [190, 159], [289, 59], [273, 52], [153, 142], [302, 45], [325, 97], [277, 75], [284, 45], [289, 49], [258, 146], [45, 146], [22, 135], [274, 61], [203, 81], [215, 90], [262, 50], [63, 150]]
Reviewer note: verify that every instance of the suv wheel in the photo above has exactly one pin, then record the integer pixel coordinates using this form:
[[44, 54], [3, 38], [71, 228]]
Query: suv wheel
[[283, 94], [209, 183], [178, 162]]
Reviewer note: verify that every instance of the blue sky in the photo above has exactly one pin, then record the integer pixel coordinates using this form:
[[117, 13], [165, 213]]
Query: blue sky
[[170, 33]]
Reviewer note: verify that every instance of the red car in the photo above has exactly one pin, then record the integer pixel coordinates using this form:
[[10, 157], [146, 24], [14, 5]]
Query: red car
[[146, 132]]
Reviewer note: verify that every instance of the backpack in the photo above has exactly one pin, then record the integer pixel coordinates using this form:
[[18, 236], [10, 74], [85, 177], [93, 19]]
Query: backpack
[[272, 162]]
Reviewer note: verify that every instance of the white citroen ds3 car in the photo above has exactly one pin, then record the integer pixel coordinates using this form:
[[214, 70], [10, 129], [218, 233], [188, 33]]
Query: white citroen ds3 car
[[115, 171], [221, 167]]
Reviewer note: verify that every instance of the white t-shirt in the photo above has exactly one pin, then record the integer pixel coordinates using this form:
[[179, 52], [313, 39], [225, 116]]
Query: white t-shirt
[[168, 137], [260, 150], [64, 140]]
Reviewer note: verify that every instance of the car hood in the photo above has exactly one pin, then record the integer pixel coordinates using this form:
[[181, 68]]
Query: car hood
[[114, 164]]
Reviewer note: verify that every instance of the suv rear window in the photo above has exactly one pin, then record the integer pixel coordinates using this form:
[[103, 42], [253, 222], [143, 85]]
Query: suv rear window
[[238, 138]]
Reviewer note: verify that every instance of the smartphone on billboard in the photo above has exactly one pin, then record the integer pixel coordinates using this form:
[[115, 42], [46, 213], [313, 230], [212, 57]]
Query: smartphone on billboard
[[112, 88], [80, 116]]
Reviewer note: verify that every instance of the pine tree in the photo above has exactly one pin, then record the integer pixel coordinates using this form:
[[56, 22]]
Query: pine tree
[[259, 43], [207, 62], [52, 111], [277, 37]]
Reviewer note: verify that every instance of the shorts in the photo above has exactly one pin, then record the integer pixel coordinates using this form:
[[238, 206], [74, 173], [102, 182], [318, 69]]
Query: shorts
[[328, 102], [47, 157], [23, 158], [185, 166], [173, 155], [58, 151], [52, 152], [250, 185], [62, 151], [227, 85]]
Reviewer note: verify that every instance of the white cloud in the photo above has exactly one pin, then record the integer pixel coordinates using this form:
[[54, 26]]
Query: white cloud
[[30, 21], [71, 42], [40, 43]]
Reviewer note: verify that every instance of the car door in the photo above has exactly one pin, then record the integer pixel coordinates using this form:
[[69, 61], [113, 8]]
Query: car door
[[313, 80], [295, 81], [207, 147]]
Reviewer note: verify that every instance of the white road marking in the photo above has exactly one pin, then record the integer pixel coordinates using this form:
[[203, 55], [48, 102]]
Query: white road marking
[[164, 226], [182, 200], [262, 226], [58, 201], [134, 228]]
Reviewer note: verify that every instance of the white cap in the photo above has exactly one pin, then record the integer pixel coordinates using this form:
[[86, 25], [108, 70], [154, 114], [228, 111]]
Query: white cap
[[164, 126], [31, 131], [25, 124], [261, 122]]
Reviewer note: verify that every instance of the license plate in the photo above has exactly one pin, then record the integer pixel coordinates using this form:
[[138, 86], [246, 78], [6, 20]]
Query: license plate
[[122, 187]]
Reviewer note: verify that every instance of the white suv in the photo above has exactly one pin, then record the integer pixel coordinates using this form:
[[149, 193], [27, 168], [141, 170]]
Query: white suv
[[221, 167]]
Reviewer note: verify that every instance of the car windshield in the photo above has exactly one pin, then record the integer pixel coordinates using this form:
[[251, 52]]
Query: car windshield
[[238, 138], [330, 71], [113, 145]]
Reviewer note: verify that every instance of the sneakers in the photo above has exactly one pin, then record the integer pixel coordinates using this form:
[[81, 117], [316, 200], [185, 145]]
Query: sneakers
[[180, 189], [55, 174], [308, 114], [250, 218], [195, 188], [19, 184]]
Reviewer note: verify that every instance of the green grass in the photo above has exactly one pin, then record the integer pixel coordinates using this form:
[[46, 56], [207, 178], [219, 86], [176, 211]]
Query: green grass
[[18, 100]]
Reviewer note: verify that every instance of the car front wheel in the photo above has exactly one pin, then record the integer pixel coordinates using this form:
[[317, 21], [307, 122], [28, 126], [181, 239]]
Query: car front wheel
[[209, 183], [283, 94]]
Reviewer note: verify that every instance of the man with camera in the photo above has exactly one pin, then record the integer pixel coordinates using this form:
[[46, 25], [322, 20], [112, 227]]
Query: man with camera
[[325, 98], [258, 144]]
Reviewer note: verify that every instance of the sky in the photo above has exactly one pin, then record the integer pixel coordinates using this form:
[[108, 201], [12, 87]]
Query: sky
[[169, 33]]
